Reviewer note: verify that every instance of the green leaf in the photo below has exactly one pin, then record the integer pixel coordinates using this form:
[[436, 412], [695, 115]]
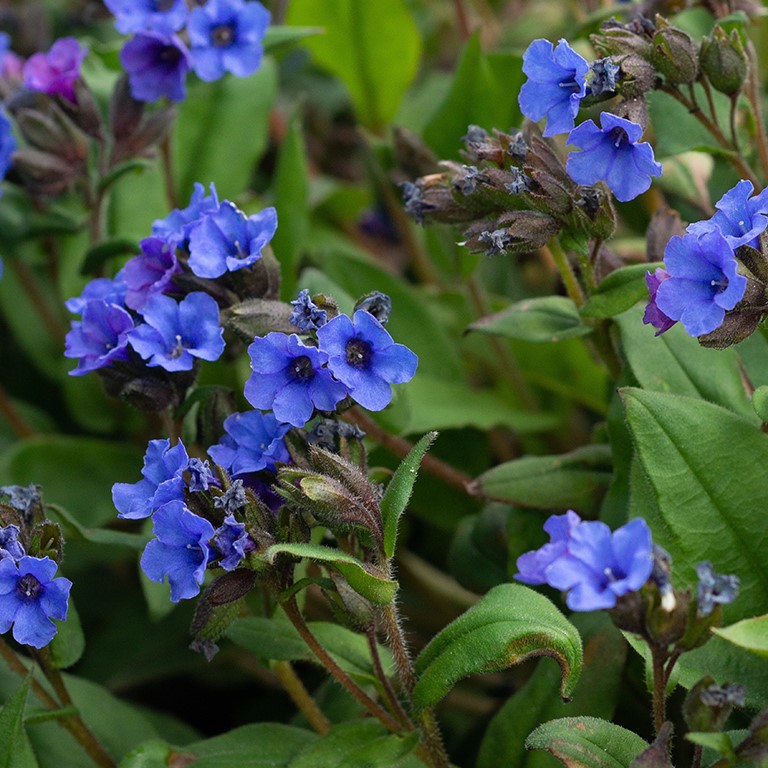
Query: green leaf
[[399, 490], [103, 536], [479, 95], [151, 754], [277, 640], [221, 131], [675, 362], [542, 320], [577, 480], [373, 48], [356, 744], [508, 625], [374, 587], [618, 291], [292, 201], [15, 749], [282, 35], [262, 745], [587, 742], [596, 695], [751, 634], [98, 255], [720, 743], [68, 643], [706, 495], [676, 130]]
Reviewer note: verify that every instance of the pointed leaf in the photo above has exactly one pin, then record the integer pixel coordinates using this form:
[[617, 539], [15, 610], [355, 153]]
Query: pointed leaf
[[587, 742], [399, 489], [751, 634], [510, 624], [15, 749], [618, 291], [68, 643], [374, 587]]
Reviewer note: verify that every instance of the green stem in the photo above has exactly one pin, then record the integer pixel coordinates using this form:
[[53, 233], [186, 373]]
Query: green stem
[[301, 697], [166, 156], [567, 274], [11, 414]]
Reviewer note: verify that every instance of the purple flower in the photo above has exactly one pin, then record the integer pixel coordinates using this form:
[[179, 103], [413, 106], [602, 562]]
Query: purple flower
[[225, 36], [741, 218], [30, 597], [11, 65], [703, 281], [363, 356], [174, 228], [111, 291], [532, 566], [55, 72], [289, 379], [226, 239], [556, 84], [174, 333], [180, 551], [594, 565], [253, 441], [306, 315], [150, 272], [232, 542], [163, 481], [163, 16], [612, 154], [653, 315], [9, 543], [157, 66], [100, 338]]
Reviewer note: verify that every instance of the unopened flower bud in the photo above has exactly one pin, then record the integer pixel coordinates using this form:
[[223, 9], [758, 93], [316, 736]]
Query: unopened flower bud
[[724, 61], [675, 53], [707, 705]]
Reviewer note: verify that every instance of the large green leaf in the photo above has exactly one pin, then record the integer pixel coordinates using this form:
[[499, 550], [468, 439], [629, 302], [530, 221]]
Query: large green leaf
[[399, 490], [675, 362], [541, 320], [15, 749], [374, 48], [576, 480], [587, 742], [595, 695], [376, 588], [618, 291], [751, 634], [508, 625], [68, 643]]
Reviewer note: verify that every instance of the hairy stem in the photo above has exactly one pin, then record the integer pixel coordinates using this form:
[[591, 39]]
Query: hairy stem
[[572, 287], [659, 689], [301, 697], [389, 694]]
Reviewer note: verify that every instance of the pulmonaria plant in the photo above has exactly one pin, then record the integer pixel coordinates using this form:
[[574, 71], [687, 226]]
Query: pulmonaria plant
[[56, 71], [157, 65], [162, 16]]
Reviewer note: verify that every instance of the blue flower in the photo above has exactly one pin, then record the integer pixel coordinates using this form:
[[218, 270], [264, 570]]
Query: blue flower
[[612, 154], [289, 379], [163, 481], [556, 84], [226, 239], [156, 65], [594, 565], [174, 228], [181, 550], [653, 315], [363, 356], [306, 315], [741, 218], [150, 272], [174, 334], [200, 475], [7, 145], [253, 441], [714, 588], [703, 281], [55, 72], [30, 597], [112, 291], [164, 16], [226, 36], [100, 338], [9, 543], [232, 542]]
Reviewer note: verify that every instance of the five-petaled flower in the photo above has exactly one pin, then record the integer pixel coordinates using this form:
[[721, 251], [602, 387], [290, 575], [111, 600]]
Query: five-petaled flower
[[156, 65], [164, 16], [614, 154]]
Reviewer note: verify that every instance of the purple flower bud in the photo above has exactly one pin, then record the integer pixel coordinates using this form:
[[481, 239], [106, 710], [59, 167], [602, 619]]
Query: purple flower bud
[[55, 72], [653, 315]]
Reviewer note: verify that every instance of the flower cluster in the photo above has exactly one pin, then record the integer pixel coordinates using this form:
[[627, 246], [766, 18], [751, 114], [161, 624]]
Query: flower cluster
[[30, 596], [148, 310], [701, 280], [169, 40], [558, 80]]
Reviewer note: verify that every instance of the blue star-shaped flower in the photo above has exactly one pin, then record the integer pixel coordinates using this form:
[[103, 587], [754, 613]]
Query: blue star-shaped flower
[[150, 272], [253, 441], [174, 228], [556, 84], [164, 16], [156, 65], [703, 281], [612, 154]]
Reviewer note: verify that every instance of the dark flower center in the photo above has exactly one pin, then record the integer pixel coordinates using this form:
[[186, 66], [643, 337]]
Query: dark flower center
[[301, 369], [359, 353], [719, 285], [169, 54], [618, 137], [163, 5], [223, 35], [29, 587]]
